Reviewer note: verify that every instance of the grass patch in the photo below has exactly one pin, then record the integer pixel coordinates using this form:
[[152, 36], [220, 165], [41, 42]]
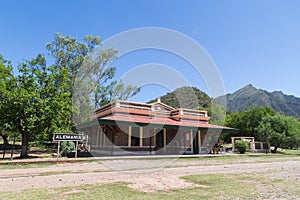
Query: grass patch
[[222, 186], [239, 157], [34, 194], [107, 191], [58, 172], [70, 172], [40, 164], [208, 158], [289, 151], [25, 166]]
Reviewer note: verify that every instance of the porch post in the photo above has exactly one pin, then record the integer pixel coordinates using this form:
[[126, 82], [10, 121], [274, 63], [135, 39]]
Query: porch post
[[199, 141], [233, 144], [165, 139], [98, 137], [129, 136], [191, 140], [150, 139], [154, 137], [141, 136], [101, 137], [104, 136]]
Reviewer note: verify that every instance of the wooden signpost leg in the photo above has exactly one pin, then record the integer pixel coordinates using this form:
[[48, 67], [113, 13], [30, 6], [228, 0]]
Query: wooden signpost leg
[[58, 146], [76, 150]]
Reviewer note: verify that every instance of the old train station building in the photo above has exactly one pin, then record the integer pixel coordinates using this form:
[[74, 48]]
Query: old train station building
[[125, 128]]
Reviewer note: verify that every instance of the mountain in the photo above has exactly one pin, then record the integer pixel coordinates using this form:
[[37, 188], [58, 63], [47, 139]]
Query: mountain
[[280, 102]]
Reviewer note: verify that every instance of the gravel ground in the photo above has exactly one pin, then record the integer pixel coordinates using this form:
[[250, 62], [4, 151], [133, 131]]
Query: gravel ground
[[148, 175]]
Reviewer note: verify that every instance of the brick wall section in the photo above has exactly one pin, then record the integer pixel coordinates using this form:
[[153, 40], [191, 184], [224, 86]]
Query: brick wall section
[[120, 136], [171, 134], [146, 141]]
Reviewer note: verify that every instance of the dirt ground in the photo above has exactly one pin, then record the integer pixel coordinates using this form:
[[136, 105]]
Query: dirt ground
[[148, 175]]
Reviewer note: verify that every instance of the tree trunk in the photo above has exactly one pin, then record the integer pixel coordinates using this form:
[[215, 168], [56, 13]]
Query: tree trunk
[[4, 137], [25, 142], [275, 149]]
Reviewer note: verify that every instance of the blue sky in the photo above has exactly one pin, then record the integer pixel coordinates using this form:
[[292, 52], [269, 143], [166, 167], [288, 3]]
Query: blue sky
[[255, 41]]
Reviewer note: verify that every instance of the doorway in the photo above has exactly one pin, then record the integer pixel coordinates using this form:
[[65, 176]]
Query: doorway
[[195, 142]]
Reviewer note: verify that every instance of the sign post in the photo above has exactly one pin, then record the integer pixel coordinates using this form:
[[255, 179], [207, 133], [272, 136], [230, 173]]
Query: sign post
[[67, 137], [58, 147], [76, 152]]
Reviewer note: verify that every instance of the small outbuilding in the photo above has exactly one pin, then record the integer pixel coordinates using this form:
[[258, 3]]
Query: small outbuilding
[[253, 146]]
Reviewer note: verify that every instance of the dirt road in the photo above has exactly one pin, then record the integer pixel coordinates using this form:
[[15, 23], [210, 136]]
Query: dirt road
[[146, 175]]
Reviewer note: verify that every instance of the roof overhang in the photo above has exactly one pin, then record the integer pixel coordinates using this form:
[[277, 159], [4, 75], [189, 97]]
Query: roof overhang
[[155, 123]]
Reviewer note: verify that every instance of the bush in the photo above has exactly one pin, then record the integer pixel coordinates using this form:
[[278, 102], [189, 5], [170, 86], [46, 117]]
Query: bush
[[65, 147], [241, 146]]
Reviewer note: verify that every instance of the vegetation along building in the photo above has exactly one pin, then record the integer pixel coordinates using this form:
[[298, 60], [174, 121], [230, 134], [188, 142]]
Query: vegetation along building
[[123, 128]]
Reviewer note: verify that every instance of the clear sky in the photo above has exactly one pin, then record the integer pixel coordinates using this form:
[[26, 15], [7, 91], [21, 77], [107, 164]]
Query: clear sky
[[255, 41]]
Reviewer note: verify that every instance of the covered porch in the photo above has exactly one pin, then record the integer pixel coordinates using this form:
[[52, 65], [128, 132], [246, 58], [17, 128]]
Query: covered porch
[[124, 128], [115, 137]]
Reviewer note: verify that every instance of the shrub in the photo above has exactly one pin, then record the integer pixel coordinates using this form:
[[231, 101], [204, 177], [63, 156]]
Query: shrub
[[241, 146], [65, 147]]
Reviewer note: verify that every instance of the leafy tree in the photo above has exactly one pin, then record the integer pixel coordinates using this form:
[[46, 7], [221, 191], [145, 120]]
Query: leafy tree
[[247, 122], [193, 98], [42, 96], [115, 90], [217, 113], [186, 97], [280, 131], [7, 94]]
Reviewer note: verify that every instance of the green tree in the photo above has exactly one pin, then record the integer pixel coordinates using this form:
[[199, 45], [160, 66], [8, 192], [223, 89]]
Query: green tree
[[193, 98], [44, 101], [217, 113], [247, 122], [280, 131], [25, 105], [186, 97], [7, 94]]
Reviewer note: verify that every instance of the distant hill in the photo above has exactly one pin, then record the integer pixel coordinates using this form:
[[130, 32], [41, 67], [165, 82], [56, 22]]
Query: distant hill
[[186, 97], [280, 102]]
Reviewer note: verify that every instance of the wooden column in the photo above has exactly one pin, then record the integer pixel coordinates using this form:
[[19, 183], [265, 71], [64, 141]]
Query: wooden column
[[141, 136], [165, 139], [191, 140], [233, 144], [104, 138], [129, 136], [199, 141], [154, 137], [98, 137], [101, 137]]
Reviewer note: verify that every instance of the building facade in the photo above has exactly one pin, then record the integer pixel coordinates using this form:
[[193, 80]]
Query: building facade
[[126, 128]]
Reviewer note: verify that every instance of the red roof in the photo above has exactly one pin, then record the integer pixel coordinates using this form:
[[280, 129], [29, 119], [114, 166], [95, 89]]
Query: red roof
[[156, 114], [164, 121]]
